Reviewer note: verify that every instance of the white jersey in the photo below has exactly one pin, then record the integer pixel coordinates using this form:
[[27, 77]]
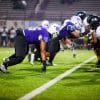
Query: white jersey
[[84, 25], [98, 32]]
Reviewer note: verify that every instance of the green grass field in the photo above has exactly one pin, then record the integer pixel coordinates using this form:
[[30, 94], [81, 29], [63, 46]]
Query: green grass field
[[23, 78]]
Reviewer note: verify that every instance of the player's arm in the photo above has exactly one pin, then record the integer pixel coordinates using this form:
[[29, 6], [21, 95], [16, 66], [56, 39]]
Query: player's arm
[[67, 41], [73, 31], [75, 34], [94, 39]]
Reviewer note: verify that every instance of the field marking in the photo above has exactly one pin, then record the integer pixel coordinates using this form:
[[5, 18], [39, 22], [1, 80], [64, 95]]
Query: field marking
[[53, 81]]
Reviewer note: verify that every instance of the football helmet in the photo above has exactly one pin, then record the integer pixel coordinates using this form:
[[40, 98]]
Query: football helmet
[[94, 21], [45, 23], [89, 18], [86, 20], [76, 20], [54, 29], [81, 14]]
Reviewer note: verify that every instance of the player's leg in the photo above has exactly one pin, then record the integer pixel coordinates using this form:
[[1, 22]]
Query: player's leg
[[21, 49], [43, 54], [54, 47], [35, 53], [97, 52], [31, 54]]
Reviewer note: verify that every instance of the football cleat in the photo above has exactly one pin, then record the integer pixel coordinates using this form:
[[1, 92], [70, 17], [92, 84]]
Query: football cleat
[[3, 69], [43, 68]]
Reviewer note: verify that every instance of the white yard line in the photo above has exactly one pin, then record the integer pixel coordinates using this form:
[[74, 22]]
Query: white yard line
[[52, 82]]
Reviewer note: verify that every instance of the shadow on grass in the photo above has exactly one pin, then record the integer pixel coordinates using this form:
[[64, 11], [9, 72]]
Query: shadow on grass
[[84, 76], [83, 79], [6, 76], [30, 69], [2, 98], [18, 74]]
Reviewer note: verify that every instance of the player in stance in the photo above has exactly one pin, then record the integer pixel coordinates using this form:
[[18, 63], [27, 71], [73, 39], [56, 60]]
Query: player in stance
[[34, 50], [94, 22], [70, 30], [52, 46], [23, 38]]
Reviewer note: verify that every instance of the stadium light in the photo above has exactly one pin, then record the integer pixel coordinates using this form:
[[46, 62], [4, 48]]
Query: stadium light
[[24, 3]]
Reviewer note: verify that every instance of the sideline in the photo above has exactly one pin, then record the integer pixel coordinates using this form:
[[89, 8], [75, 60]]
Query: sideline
[[53, 81]]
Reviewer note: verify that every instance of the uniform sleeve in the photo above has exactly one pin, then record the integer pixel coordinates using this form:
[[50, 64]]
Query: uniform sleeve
[[45, 36], [71, 28]]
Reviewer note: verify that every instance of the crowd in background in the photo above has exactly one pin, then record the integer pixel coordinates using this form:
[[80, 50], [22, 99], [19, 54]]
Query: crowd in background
[[7, 36]]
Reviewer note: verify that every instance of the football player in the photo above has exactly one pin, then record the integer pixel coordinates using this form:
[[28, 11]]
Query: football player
[[70, 29], [52, 46], [94, 22], [85, 29], [34, 52], [23, 38], [85, 25]]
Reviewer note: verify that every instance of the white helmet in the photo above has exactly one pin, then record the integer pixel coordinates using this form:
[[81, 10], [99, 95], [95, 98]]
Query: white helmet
[[45, 23], [76, 20], [54, 29]]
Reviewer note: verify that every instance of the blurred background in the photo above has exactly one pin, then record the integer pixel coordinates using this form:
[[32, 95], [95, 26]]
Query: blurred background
[[30, 13]]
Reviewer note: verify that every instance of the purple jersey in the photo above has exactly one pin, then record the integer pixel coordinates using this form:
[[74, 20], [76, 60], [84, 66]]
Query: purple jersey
[[36, 34], [66, 29]]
